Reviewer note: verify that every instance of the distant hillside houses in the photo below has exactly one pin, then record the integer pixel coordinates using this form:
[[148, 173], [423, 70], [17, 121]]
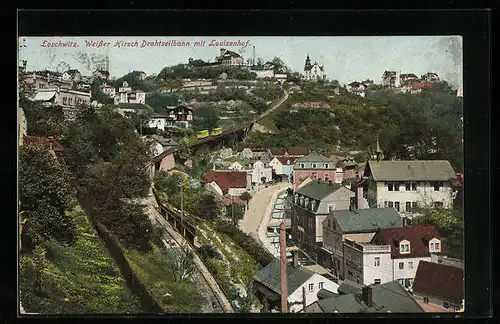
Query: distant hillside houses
[[125, 94], [408, 82], [314, 71], [357, 88]]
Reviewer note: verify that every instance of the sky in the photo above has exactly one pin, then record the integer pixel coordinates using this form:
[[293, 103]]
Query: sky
[[345, 58]]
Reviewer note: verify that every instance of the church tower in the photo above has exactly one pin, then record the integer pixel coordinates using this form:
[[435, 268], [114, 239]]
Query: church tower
[[307, 68]]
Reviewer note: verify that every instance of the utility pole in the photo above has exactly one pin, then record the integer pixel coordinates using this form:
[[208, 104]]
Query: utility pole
[[284, 277], [232, 207]]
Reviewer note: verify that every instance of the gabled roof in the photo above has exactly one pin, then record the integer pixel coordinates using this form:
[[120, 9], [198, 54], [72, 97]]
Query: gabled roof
[[285, 159], [44, 95], [356, 84], [439, 280], [318, 190], [418, 236], [229, 53], [278, 151], [270, 276], [314, 157], [387, 297], [408, 75], [366, 220], [423, 170], [72, 72], [226, 180], [348, 287], [324, 293], [34, 140], [297, 150]]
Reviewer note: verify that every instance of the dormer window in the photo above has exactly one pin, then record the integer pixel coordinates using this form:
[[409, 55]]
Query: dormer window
[[313, 204], [296, 198], [302, 166], [302, 201], [314, 165], [404, 247], [306, 203], [434, 245], [287, 161], [325, 165]]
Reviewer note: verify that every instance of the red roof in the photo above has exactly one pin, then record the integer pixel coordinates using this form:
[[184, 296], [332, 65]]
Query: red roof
[[439, 280], [420, 85], [277, 151], [34, 140], [297, 150], [226, 180], [418, 236], [285, 159]]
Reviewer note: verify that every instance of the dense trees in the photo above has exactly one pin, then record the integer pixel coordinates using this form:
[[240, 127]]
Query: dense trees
[[159, 101], [183, 71], [45, 195], [205, 117], [109, 162], [135, 82], [43, 121]]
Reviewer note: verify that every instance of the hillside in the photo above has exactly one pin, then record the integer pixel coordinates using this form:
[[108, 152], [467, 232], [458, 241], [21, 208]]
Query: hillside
[[420, 126]]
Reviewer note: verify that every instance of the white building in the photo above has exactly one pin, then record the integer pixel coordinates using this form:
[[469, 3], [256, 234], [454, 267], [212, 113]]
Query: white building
[[236, 166], [313, 72], [160, 121], [259, 171], [109, 90], [138, 97], [261, 74], [357, 88], [407, 185], [392, 254]]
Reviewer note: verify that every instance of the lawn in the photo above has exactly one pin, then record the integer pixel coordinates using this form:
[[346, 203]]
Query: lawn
[[78, 279]]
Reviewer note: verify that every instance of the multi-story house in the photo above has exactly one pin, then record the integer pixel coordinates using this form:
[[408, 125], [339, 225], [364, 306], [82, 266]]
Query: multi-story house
[[409, 185], [283, 166], [318, 166], [407, 77], [181, 115], [229, 58], [392, 254], [160, 121], [357, 88], [313, 72], [108, 90], [430, 76], [260, 173], [311, 204], [72, 76], [227, 183], [62, 97], [349, 167], [359, 225], [101, 74], [391, 79]]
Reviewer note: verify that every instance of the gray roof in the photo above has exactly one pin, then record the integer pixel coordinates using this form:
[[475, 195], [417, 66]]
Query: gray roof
[[367, 220], [313, 157], [349, 287], [270, 276], [318, 190], [428, 170], [388, 297], [324, 293]]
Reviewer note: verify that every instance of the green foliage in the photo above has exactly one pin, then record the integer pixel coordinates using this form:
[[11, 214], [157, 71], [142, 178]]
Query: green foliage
[[205, 117], [134, 81], [45, 194], [43, 121], [61, 279], [181, 71], [159, 101], [98, 95], [267, 92], [449, 223], [246, 242], [156, 270]]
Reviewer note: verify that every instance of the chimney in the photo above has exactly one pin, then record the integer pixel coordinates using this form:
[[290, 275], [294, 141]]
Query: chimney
[[359, 195], [367, 296], [295, 259], [304, 301]]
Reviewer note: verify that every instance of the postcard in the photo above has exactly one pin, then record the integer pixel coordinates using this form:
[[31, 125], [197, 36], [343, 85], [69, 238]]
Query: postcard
[[240, 174]]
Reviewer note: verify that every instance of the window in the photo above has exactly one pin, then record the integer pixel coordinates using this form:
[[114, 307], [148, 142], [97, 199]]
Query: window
[[377, 281], [436, 247], [325, 165], [437, 185], [410, 265], [401, 265], [396, 205], [328, 222], [385, 204], [390, 186], [314, 165], [376, 261], [396, 186], [326, 177], [390, 204], [407, 186], [302, 165], [407, 283], [404, 248], [438, 204], [311, 287], [408, 206], [320, 285], [331, 207], [426, 300], [401, 282], [413, 186]]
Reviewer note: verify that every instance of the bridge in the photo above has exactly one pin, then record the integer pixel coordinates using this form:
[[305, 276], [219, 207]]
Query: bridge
[[234, 134]]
